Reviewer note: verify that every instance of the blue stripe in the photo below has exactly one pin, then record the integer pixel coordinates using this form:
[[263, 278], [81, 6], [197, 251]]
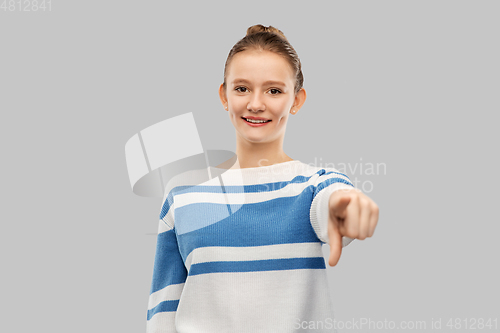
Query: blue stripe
[[283, 220], [166, 205], [164, 306], [257, 265], [198, 215], [329, 182], [168, 265], [266, 187]]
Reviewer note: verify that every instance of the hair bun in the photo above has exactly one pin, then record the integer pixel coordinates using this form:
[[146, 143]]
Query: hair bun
[[261, 28]]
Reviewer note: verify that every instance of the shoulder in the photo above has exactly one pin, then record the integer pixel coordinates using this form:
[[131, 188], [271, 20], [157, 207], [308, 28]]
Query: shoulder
[[323, 176]]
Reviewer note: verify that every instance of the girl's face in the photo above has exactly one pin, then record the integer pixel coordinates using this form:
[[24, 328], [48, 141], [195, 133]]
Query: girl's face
[[259, 84]]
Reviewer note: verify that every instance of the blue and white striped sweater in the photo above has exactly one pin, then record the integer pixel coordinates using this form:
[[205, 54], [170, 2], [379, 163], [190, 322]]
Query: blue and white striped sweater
[[241, 252]]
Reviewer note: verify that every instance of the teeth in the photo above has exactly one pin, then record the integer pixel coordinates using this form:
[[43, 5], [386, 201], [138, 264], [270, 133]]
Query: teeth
[[256, 121]]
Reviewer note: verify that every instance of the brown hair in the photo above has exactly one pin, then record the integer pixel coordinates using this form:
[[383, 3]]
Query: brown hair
[[269, 38]]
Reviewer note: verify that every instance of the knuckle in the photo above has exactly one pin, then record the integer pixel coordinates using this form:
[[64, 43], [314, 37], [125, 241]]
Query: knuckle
[[364, 203], [352, 232]]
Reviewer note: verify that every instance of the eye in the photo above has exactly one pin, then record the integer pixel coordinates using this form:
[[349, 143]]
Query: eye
[[238, 89], [277, 91]]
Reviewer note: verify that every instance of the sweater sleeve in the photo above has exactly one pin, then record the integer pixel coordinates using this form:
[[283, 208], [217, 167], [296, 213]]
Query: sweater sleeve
[[329, 181], [169, 274]]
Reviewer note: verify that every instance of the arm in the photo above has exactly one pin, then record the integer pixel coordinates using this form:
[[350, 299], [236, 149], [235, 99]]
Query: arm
[[329, 181], [169, 275]]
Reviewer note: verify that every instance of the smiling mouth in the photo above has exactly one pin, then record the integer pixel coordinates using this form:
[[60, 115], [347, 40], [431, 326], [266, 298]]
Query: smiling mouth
[[255, 122]]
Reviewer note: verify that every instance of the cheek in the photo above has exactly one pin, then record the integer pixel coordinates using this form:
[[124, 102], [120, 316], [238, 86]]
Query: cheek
[[282, 120], [238, 105], [234, 117]]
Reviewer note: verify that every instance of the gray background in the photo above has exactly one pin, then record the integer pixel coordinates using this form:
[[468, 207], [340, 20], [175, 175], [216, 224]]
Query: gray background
[[410, 84]]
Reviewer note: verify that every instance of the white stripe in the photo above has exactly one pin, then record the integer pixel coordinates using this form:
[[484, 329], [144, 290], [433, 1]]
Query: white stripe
[[162, 322], [252, 302], [164, 226], [243, 253], [169, 293], [290, 190]]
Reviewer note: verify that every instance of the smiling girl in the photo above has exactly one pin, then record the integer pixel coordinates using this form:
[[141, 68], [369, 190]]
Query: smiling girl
[[244, 254]]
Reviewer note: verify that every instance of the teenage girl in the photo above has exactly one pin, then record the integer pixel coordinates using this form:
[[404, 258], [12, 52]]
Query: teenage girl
[[248, 258]]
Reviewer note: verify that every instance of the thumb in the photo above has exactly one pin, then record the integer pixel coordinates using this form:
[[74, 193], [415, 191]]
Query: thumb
[[335, 239]]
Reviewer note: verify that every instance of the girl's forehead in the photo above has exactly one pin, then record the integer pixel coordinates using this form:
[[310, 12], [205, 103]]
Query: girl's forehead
[[259, 64], [254, 55]]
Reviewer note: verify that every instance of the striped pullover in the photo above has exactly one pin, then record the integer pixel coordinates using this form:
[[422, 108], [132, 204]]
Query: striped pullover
[[239, 250]]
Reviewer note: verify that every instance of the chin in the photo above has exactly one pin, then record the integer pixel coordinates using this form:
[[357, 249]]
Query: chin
[[253, 139]]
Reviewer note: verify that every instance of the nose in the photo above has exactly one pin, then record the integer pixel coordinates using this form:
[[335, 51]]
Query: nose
[[256, 103]]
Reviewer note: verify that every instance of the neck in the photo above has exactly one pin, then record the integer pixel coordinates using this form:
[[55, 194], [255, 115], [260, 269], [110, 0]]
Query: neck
[[252, 154]]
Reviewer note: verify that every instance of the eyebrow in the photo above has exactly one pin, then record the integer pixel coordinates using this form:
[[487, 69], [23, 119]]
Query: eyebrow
[[235, 81]]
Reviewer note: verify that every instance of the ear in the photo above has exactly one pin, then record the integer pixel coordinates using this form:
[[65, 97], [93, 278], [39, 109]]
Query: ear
[[222, 95], [300, 99]]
